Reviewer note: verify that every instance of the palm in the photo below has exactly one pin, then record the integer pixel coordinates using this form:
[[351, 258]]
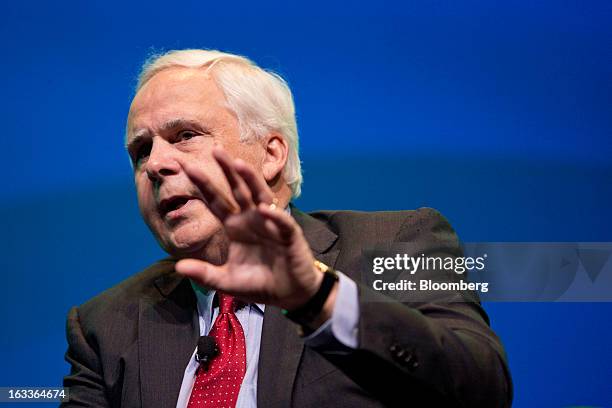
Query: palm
[[269, 260], [257, 265], [254, 268]]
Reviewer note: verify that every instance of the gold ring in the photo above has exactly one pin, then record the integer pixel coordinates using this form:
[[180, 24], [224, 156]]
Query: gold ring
[[274, 203]]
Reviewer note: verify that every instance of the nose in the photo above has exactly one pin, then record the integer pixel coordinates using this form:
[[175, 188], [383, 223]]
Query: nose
[[162, 160]]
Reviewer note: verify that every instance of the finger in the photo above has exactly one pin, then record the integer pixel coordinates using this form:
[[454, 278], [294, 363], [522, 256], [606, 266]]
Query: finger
[[205, 274], [241, 192], [287, 227], [251, 227], [220, 205], [268, 230], [259, 189], [241, 229]]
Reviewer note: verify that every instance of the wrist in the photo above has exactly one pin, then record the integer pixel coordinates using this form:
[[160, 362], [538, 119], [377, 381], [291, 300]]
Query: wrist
[[319, 307], [327, 311]]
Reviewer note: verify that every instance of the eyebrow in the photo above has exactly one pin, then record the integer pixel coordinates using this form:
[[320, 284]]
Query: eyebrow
[[142, 134], [179, 122]]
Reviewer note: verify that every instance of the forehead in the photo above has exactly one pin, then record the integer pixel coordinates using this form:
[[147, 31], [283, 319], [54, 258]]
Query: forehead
[[176, 92]]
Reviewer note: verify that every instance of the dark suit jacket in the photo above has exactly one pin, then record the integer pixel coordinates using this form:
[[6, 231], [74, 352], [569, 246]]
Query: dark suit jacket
[[130, 345]]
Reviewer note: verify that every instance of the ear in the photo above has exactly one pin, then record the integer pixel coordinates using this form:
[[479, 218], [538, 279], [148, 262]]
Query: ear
[[275, 156]]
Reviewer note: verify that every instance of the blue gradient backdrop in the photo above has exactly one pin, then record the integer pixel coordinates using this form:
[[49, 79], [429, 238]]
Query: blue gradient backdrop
[[498, 116]]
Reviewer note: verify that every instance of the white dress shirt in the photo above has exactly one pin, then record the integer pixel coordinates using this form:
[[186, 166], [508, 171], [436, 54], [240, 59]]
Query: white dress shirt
[[338, 334]]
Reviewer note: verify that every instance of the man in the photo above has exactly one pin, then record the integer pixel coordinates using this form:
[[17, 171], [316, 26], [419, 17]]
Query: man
[[213, 142]]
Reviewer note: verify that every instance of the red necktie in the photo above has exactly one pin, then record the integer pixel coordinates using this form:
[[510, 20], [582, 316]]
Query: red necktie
[[219, 385]]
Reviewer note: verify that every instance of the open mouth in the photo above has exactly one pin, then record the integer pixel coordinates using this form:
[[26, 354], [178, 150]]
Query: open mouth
[[172, 204]]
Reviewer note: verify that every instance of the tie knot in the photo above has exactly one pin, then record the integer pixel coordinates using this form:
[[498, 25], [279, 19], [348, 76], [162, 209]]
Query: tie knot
[[227, 303]]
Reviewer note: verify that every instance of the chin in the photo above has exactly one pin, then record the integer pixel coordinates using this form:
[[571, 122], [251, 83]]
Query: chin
[[189, 242]]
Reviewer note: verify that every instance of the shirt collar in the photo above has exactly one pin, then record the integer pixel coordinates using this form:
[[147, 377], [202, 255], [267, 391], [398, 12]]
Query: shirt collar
[[205, 298]]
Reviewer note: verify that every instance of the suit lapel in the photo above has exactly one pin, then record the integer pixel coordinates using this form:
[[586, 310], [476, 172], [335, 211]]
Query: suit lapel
[[168, 334], [169, 330], [281, 347]]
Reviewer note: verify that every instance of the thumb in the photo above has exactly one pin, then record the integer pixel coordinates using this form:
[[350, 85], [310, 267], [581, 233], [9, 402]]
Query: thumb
[[205, 274]]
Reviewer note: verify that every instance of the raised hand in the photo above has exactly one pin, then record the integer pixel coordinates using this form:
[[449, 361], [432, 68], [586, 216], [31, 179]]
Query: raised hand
[[269, 260]]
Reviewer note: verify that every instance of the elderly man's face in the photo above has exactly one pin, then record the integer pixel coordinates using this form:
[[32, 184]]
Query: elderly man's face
[[176, 118]]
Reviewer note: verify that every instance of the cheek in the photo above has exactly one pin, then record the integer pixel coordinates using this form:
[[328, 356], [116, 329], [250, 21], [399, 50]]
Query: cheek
[[209, 167], [251, 153], [146, 201]]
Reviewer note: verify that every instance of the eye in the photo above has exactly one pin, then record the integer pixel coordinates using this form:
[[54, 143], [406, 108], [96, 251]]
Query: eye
[[141, 152], [186, 135]]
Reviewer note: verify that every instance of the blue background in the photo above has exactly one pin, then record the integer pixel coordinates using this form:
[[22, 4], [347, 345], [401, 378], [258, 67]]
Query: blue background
[[498, 116]]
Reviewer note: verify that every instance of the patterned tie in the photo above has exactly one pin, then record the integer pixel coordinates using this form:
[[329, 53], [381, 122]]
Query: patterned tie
[[219, 385]]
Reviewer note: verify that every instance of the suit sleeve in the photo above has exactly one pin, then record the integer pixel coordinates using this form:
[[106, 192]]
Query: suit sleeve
[[85, 384], [438, 353]]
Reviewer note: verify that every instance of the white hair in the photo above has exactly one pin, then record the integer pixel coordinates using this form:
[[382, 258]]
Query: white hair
[[261, 99]]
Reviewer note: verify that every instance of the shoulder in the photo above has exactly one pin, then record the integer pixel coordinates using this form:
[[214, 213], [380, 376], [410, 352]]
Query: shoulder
[[386, 225]]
